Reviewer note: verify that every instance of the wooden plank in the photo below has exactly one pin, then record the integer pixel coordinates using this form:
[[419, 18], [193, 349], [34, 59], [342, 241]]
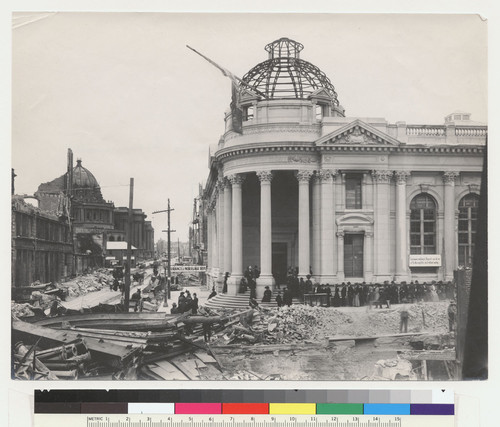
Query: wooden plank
[[167, 371], [195, 364], [186, 370], [355, 338], [448, 354], [204, 357]]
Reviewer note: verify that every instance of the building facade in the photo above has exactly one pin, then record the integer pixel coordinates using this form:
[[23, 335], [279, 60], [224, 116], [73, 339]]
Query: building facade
[[42, 245], [297, 183], [142, 236]]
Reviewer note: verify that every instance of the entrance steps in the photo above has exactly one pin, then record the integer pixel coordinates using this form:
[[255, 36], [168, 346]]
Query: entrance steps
[[239, 301]]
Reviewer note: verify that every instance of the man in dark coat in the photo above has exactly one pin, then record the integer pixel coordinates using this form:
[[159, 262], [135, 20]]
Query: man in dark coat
[[194, 305], [279, 300], [287, 297]]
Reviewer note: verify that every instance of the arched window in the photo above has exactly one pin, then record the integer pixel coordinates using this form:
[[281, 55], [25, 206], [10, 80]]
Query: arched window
[[111, 238], [423, 225], [467, 222]]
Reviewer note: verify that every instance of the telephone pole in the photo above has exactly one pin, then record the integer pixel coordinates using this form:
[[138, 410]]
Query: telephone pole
[[129, 246], [168, 231]]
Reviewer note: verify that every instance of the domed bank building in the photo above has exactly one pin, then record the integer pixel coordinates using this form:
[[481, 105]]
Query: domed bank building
[[296, 182]]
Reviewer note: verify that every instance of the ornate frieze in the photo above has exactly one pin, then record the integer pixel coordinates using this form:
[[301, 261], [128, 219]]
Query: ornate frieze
[[300, 159], [401, 176], [236, 179], [327, 174], [265, 176], [382, 176], [304, 175], [450, 177]]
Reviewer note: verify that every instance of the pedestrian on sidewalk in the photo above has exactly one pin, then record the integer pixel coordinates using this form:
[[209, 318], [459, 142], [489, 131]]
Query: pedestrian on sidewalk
[[403, 324], [194, 304]]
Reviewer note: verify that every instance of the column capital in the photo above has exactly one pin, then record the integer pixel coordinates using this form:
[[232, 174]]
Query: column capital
[[327, 174], [450, 177], [340, 234], [401, 176], [221, 184], [304, 175], [369, 234], [265, 176], [382, 176], [236, 179]]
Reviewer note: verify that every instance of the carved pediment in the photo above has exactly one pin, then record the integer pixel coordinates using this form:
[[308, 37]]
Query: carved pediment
[[357, 133], [247, 95], [354, 219], [321, 93]]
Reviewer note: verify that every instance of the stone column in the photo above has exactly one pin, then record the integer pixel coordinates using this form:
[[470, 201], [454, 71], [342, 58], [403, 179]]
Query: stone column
[[209, 239], [340, 256], [215, 236], [449, 224], [266, 233], [368, 256], [316, 226], [382, 224], [236, 234], [303, 177], [228, 203], [327, 225], [220, 230], [401, 230]]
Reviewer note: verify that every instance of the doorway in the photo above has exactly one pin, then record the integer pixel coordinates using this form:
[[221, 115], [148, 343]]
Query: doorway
[[353, 255], [280, 259]]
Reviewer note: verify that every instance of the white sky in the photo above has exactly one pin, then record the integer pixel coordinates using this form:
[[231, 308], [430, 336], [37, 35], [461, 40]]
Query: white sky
[[123, 91]]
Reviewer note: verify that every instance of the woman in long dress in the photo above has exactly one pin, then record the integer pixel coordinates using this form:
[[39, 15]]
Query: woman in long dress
[[355, 301], [336, 297]]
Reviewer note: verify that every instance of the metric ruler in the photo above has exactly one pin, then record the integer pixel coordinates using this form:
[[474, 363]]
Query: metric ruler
[[157, 420]]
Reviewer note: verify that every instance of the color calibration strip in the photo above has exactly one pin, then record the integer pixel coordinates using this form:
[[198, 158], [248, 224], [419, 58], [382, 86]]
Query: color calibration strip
[[279, 402]]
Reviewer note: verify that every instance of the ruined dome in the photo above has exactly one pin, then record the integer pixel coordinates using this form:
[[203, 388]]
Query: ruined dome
[[285, 76], [83, 178]]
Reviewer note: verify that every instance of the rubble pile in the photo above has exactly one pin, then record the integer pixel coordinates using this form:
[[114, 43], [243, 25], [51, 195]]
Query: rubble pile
[[82, 285], [21, 310], [300, 323]]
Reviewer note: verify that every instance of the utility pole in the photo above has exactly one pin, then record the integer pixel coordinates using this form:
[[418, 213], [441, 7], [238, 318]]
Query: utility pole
[[168, 231], [129, 246]]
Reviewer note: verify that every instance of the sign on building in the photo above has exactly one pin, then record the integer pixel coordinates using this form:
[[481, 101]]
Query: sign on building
[[188, 268], [425, 260]]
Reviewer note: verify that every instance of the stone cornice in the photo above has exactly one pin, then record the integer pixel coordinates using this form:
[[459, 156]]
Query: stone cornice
[[311, 149]]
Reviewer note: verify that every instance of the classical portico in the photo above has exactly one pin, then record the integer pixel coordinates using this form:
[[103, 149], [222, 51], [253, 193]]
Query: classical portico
[[340, 198]]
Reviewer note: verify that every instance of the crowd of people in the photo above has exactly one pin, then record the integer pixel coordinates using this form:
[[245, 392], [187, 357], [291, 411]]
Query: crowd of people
[[185, 303]]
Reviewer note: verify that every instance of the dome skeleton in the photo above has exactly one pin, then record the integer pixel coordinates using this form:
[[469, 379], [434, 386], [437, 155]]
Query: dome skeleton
[[283, 76]]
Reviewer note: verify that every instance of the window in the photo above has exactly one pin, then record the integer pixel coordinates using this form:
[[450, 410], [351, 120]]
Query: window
[[248, 113], [423, 225], [467, 223], [353, 191]]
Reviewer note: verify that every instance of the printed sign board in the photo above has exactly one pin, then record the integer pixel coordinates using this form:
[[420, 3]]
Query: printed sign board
[[188, 268], [425, 260]]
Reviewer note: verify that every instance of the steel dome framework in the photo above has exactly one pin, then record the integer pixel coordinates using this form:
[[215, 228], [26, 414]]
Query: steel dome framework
[[284, 75]]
